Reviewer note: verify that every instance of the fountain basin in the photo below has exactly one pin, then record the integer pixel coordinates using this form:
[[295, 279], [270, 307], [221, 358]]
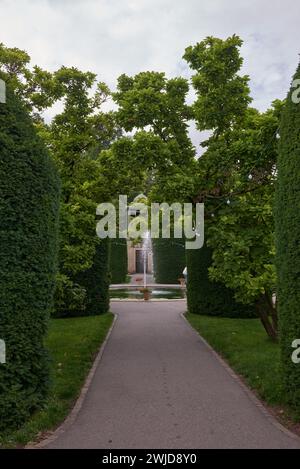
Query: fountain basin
[[156, 293]]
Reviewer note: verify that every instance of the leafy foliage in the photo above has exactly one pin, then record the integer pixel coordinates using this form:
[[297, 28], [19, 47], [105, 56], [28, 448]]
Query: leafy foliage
[[235, 176], [161, 148], [70, 298], [33, 85], [149, 99], [243, 241], [241, 232], [75, 137], [223, 95], [207, 297], [72, 136]]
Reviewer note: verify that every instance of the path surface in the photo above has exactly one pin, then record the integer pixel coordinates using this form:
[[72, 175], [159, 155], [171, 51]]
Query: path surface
[[159, 386]]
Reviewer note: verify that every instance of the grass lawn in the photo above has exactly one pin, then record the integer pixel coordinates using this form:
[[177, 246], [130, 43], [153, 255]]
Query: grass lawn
[[244, 344], [73, 344]]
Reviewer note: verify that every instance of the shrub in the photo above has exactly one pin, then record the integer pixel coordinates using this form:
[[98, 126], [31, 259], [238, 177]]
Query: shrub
[[287, 216], [69, 298], [168, 259], [96, 281], [118, 260], [206, 297], [29, 201]]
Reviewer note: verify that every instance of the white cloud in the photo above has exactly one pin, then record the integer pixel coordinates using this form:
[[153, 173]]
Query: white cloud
[[110, 37]]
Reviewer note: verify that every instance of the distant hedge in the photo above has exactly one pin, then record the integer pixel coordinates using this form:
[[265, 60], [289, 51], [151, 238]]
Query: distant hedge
[[287, 217], [29, 201], [95, 281], [118, 260], [210, 298], [168, 259]]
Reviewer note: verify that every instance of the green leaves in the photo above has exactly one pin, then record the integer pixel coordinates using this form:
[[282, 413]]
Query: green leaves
[[236, 174], [222, 94], [150, 101], [243, 246]]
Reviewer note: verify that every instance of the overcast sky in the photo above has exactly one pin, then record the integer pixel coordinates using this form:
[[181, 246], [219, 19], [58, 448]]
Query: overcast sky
[[111, 37]]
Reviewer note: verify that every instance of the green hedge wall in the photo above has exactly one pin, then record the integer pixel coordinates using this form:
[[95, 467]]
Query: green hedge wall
[[95, 281], [29, 201], [118, 260], [287, 216], [206, 297], [168, 259]]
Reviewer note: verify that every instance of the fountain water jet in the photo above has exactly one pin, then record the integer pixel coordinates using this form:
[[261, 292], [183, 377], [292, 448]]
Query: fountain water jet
[[146, 248]]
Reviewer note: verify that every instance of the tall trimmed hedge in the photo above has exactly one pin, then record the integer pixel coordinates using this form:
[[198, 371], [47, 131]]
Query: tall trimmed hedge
[[210, 298], [287, 216], [168, 259], [118, 260], [29, 201], [95, 281]]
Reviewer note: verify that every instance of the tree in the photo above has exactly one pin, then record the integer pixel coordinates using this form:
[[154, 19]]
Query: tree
[[76, 137], [235, 176], [287, 213], [155, 159], [29, 201], [150, 101], [242, 238], [33, 85], [222, 94], [156, 107], [221, 104], [241, 232], [124, 166]]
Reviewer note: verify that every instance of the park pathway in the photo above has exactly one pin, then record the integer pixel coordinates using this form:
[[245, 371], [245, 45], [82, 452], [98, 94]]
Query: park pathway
[[158, 385]]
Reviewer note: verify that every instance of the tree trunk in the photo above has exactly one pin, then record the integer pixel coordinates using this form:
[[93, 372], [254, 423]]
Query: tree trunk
[[268, 316], [273, 311]]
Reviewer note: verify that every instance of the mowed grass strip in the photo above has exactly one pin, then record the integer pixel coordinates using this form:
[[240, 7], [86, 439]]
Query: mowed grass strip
[[244, 344], [73, 344]]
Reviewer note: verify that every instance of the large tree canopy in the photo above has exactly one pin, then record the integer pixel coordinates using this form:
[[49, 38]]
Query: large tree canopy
[[222, 94], [235, 175]]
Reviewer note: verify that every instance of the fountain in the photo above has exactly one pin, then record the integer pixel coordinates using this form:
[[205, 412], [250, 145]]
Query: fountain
[[146, 248], [147, 288]]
